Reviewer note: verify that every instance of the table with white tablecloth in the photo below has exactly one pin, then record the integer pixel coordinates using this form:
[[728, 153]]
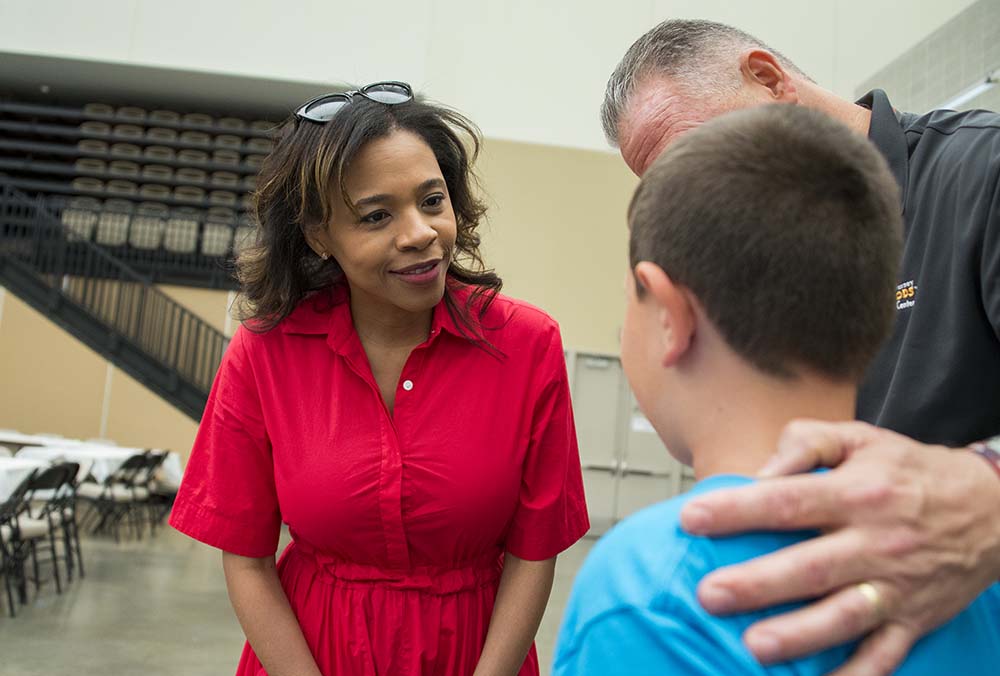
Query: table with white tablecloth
[[16, 440], [105, 459], [15, 470]]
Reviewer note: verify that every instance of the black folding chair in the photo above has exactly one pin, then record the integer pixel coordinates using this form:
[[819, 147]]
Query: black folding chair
[[14, 549], [162, 495], [118, 498], [153, 502], [67, 518], [45, 503]]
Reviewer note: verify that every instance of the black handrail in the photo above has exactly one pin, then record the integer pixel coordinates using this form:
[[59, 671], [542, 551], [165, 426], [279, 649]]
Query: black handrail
[[123, 300]]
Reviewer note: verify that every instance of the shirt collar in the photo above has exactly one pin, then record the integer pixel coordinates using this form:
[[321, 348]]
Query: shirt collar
[[328, 312], [887, 134]]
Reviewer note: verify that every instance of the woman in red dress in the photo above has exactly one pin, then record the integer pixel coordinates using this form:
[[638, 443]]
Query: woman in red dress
[[411, 426]]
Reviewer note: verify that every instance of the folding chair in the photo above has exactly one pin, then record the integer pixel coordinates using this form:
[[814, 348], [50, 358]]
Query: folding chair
[[161, 134], [75, 474], [116, 498], [199, 119], [80, 216], [129, 150], [181, 234], [169, 116], [44, 505], [231, 123], [132, 113], [154, 490], [98, 110], [244, 236], [13, 544], [113, 223], [148, 225]]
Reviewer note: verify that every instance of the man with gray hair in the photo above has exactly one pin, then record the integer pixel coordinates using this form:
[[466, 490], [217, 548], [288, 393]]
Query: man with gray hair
[[911, 527]]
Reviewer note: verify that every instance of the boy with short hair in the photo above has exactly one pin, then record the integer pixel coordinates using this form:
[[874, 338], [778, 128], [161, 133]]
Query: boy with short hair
[[764, 247]]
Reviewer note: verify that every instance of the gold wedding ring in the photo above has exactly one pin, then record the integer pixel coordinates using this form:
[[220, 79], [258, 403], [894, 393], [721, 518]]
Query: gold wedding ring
[[869, 591]]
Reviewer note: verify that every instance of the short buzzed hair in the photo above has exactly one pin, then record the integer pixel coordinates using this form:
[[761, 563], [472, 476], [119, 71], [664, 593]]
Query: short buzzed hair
[[787, 227], [693, 52]]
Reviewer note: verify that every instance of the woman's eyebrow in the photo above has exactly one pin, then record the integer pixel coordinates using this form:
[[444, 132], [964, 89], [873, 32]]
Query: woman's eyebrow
[[430, 183], [382, 197], [373, 199]]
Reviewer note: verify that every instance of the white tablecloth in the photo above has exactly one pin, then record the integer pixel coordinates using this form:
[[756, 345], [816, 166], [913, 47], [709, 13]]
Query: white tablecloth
[[106, 459], [13, 471], [16, 439]]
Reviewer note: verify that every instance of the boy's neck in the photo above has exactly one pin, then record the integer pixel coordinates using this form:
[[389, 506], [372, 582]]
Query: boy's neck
[[739, 431]]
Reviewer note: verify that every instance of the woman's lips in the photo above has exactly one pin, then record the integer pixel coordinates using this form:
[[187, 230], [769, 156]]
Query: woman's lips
[[421, 273]]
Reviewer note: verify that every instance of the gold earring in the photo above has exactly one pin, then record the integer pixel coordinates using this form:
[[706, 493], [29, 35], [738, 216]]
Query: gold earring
[[324, 255]]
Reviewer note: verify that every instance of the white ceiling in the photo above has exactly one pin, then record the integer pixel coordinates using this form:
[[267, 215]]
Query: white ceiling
[[525, 70]]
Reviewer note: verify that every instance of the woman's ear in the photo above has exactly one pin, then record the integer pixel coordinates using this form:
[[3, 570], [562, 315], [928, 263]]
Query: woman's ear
[[315, 240], [675, 316]]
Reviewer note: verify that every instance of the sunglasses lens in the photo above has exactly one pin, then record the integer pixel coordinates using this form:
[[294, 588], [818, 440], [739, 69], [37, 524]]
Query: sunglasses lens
[[387, 92], [324, 109]]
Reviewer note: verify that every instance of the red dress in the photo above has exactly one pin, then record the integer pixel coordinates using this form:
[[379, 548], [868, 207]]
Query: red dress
[[399, 523]]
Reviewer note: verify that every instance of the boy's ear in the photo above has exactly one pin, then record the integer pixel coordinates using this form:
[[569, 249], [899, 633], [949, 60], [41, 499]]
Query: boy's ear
[[675, 315]]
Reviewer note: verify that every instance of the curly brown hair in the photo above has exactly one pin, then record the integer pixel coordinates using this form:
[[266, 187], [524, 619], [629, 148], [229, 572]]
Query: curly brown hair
[[295, 192]]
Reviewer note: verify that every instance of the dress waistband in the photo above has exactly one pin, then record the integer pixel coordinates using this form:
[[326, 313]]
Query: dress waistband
[[431, 579]]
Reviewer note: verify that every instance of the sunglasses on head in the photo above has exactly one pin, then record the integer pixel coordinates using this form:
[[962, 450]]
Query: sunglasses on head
[[323, 108]]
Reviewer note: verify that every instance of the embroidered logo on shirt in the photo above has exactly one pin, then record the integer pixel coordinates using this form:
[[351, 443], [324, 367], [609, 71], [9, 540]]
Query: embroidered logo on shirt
[[906, 295]]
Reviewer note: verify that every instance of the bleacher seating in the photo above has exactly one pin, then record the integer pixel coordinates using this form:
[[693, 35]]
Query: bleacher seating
[[138, 177]]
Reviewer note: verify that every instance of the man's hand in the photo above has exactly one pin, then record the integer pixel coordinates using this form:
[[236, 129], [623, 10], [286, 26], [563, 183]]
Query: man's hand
[[920, 524]]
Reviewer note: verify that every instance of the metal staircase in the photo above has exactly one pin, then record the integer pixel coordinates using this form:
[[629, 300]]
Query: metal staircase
[[105, 303]]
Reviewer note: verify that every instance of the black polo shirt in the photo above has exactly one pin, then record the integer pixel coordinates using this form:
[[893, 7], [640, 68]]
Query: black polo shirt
[[938, 377]]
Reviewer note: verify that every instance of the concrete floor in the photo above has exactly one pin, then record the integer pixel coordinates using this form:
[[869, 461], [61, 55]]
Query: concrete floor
[[160, 607]]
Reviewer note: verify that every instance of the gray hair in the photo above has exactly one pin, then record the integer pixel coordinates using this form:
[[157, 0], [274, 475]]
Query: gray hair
[[691, 51]]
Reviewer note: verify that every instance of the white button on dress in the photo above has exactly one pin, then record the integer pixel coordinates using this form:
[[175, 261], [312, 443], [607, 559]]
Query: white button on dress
[[407, 385]]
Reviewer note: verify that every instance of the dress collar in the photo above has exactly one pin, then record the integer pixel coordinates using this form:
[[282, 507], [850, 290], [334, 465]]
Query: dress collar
[[328, 312]]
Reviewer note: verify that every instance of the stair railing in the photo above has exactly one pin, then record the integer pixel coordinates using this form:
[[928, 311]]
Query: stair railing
[[123, 300]]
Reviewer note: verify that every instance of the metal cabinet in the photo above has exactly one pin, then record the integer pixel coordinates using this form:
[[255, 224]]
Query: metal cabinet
[[625, 465], [599, 389]]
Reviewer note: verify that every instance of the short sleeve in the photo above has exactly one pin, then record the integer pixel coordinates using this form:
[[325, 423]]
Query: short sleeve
[[551, 513], [228, 498]]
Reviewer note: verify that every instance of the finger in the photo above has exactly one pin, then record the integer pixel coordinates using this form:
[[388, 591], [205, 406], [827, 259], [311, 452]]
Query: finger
[[839, 618], [881, 653], [804, 570], [787, 503], [807, 444]]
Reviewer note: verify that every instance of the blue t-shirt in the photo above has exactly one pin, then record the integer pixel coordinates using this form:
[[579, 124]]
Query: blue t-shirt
[[634, 610]]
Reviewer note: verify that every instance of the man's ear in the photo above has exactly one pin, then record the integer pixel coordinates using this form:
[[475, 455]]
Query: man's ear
[[675, 314], [762, 68]]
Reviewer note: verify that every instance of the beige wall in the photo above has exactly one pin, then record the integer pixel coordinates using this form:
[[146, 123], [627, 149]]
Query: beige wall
[[51, 382], [210, 305], [556, 233]]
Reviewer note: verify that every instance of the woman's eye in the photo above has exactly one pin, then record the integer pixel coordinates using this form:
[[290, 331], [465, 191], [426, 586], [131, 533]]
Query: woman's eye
[[434, 201], [376, 217]]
